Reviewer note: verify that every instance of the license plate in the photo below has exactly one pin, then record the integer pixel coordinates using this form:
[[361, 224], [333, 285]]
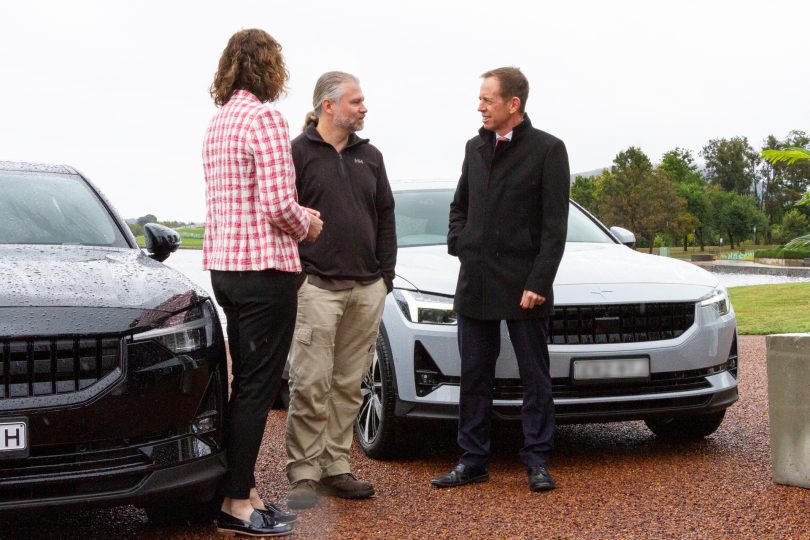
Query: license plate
[[13, 438], [610, 369]]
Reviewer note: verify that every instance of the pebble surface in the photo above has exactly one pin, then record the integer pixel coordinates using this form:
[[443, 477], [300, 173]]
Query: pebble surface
[[614, 481]]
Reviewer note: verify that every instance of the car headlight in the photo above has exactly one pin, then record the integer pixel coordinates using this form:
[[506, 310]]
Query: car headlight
[[184, 332], [425, 308], [718, 299]]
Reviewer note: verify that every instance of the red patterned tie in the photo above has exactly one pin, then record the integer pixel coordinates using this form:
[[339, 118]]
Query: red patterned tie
[[499, 140]]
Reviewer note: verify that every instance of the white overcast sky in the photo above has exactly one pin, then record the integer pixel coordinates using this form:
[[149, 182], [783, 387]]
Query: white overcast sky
[[119, 89]]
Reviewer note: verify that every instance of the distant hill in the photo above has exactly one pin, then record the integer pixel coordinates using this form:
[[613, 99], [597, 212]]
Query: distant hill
[[596, 172], [588, 174]]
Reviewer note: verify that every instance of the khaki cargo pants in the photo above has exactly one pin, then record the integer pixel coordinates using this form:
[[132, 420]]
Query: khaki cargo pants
[[333, 345]]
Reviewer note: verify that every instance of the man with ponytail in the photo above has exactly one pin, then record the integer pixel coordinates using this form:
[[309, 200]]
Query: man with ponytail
[[348, 272]]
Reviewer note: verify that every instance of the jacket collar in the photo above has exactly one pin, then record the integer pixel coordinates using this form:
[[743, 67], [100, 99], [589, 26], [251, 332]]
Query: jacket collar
[[487, 137], [312, 134]]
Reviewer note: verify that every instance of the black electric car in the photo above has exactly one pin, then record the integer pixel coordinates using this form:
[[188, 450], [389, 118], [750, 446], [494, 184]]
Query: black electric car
[[113, 376]]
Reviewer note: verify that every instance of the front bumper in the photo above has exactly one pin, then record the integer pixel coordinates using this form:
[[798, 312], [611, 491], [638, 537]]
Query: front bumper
[[580, 413], [179, 469], [694, 373], [138, 423]]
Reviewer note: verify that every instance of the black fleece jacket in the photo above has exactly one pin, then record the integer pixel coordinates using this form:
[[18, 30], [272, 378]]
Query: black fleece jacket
[[351, 191]]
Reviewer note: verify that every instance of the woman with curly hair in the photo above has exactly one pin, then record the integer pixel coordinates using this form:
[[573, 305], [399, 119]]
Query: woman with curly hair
[[252, 228]]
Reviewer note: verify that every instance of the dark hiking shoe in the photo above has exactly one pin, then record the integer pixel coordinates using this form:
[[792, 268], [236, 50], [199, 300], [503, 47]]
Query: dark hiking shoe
[[303, 494], [346, 486]]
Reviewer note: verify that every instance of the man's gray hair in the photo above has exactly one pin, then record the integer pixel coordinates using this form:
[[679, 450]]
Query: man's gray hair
[[329, 86]]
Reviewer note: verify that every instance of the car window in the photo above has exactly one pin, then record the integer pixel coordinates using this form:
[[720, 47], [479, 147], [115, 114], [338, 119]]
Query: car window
[[38, 208], [423, 215], [581, 228]]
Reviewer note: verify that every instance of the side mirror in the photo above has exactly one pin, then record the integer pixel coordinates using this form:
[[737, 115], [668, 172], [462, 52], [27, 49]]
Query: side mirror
[[624, 236], [161, 241]]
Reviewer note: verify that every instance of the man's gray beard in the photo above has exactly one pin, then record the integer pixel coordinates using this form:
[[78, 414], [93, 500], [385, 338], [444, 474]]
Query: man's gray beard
[[346, 123]]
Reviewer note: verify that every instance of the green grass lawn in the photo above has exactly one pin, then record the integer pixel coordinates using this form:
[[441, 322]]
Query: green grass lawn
[[772, 309], [187, 240]]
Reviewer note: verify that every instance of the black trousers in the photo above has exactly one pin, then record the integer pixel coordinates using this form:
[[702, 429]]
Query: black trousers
[[260, 308], [480, 344]]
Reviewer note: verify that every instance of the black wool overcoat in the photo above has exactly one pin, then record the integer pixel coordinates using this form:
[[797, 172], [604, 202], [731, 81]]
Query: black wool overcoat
[[508, 222]]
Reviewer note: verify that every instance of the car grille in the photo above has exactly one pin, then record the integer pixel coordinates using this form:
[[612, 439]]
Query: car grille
[[42, 367], [620, 323]]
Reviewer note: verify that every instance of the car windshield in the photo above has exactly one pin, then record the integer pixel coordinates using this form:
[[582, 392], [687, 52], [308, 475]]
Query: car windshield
[[37, 208], [422, 219]]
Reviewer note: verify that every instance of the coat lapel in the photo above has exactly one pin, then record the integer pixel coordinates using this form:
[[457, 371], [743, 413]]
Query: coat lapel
[[485, 145]]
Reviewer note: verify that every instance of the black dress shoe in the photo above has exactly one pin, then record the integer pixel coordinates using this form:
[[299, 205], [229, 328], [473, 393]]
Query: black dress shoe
[[278, 514], [460, 475], [260, 524], [540, 479]]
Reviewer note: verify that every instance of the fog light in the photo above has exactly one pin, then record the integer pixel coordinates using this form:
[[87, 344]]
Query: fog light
[[732, 357], [427, 378], [426, 374], [201, 449]]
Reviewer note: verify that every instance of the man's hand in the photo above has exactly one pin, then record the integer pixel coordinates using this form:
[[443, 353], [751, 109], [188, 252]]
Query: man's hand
[[531, 299], [315, 224]]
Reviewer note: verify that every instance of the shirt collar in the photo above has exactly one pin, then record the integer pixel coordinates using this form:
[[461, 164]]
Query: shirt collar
[[312, 134], [244, 95]]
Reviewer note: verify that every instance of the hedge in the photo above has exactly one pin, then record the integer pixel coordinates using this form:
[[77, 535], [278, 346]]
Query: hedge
[[782, 253]]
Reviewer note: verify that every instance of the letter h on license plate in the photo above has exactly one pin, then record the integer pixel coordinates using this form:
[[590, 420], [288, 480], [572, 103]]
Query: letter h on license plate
[[13, 438]]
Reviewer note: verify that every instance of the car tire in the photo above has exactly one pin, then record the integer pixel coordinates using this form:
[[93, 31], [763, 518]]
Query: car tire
[[375, 427], [686, 428]]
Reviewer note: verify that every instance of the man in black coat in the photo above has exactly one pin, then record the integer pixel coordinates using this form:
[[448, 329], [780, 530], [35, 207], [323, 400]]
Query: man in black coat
[[508, 222]]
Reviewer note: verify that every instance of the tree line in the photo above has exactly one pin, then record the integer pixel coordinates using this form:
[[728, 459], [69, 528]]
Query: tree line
[[737, 196], [137, 227]]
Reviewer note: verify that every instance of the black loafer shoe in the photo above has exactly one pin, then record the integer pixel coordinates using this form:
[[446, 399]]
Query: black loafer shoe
[[275, 512], [540, 479], [460, 475], [260, 524]]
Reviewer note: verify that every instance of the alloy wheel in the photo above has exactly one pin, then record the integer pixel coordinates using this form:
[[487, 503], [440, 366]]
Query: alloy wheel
[[371, 410]]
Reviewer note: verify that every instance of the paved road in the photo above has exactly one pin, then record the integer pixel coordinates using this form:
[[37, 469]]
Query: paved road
[[614, 481]]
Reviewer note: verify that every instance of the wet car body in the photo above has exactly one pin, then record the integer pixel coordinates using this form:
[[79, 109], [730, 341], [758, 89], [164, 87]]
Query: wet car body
[[633, 336], [112, 365]]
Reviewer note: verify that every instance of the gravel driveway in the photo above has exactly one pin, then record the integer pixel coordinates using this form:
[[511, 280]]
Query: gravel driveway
[[613, 481]]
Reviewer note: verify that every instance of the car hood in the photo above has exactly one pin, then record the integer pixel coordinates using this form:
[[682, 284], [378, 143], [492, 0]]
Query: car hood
[[589, 273], [90, 277]]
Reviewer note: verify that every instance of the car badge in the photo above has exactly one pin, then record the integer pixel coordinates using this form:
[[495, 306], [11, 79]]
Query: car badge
[[602, 292]]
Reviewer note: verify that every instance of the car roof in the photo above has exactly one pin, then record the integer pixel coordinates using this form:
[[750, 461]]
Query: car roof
[[22, 166], [422, 185]]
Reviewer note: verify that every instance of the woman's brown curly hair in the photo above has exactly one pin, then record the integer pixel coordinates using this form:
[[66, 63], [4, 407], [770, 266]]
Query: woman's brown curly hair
[[251, 61]]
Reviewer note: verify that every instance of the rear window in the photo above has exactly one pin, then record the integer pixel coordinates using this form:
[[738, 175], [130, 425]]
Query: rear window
[[37, 208]]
